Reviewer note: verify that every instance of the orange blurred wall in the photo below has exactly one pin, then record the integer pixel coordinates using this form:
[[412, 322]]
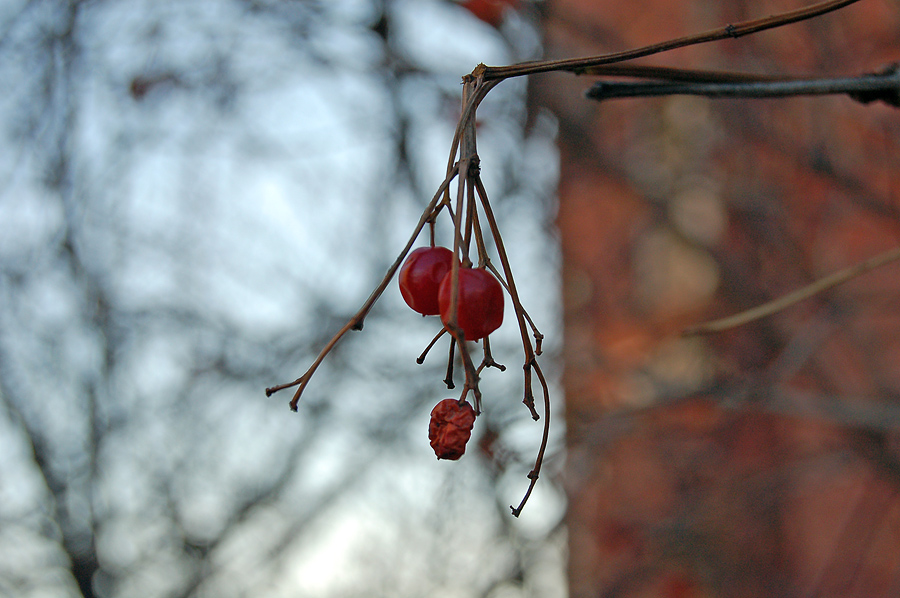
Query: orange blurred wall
[[763, 461]]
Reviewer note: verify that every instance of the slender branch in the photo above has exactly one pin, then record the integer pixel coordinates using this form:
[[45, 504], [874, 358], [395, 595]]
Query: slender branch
[[538, 337], [883, 86], [485, 261], [470, 104], [356, 322], [468, 156], [513, 294], [471, 216], [666, 73], [507, 269], [585, 65], [785, 301]]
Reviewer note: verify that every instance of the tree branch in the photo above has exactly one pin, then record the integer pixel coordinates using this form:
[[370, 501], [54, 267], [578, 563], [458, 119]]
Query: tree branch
[[585, 66], [884, 86], [785, 301]]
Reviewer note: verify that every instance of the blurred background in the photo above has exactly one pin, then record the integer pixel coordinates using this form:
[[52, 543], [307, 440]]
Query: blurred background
[[763, 460], [195, 197]]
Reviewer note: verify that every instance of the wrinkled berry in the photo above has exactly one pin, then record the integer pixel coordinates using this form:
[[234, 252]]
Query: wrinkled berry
[[450, 428]]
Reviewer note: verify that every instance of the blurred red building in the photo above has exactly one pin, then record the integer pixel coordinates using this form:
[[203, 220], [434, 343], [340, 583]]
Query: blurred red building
[[762, 461]]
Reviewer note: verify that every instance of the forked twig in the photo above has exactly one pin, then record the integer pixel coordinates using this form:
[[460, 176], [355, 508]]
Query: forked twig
[[488, 360], [356, 322]]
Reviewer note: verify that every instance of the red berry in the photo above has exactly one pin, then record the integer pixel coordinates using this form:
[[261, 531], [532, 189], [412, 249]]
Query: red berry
[[450, 428], [421, 276], [489, 11], [480, 303]]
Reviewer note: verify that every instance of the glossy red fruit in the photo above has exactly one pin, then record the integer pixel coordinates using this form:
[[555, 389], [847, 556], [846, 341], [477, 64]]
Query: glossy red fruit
[[421, 276], [450, 428], [480, 303]]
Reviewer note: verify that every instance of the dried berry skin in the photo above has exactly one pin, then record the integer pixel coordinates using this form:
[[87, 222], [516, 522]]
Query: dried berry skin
[[421, 276], [480, 308], [450, 428]]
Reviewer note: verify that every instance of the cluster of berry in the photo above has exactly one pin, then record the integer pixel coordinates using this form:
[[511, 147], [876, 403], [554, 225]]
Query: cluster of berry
[[426, 283], [469, 300]]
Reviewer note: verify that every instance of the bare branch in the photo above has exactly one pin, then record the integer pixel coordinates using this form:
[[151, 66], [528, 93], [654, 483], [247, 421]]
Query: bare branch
[[356, 322], [586, 65], [785, 301], [884, 86]]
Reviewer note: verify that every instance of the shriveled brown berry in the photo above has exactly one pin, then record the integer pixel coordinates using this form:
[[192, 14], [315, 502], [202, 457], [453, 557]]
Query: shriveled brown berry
[[450, 428]]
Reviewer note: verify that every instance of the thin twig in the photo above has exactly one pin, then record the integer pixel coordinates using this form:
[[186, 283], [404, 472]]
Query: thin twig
[[421, 358], [471, 215], [585, 65], [785, 301], [486, 262], [513, 294], [680, 75], [356, 322], [484, 259], [535, 472], [467, 155], [448, 379], [884, 86], [538, 337], [467, 116], [666, 73]]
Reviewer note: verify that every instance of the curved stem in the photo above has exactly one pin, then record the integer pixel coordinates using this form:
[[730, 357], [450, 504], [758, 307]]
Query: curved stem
[[421, 358], [535, 472]]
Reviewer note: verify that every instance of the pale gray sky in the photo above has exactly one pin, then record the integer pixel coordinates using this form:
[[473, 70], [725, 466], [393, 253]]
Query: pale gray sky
[[170, 250]]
